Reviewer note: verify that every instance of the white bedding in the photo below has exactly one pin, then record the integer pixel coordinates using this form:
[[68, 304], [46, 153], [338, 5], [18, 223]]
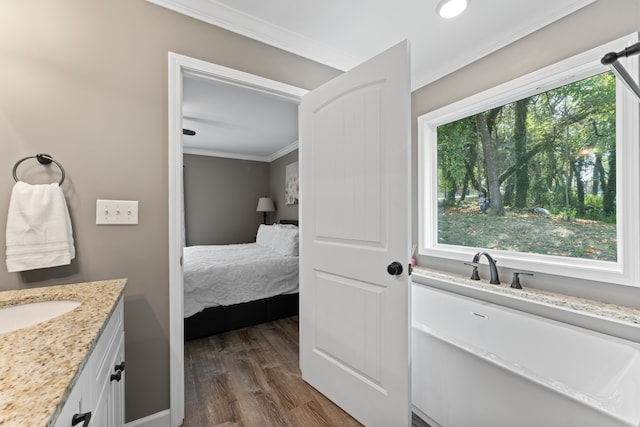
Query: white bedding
[[233, 274]]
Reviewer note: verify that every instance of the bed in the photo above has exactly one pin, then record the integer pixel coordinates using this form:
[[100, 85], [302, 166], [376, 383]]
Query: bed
[[228, 287]]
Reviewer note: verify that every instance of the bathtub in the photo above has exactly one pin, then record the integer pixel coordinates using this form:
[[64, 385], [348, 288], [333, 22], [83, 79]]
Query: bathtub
[[482, 365]]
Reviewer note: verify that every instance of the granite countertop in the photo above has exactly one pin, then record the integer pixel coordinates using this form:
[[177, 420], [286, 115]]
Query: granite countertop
[[600, 309], [39, 365]]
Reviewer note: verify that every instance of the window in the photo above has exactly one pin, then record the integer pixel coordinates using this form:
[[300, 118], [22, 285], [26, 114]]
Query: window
[[541, 171]]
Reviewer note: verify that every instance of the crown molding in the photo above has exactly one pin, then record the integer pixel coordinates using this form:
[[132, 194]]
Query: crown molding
[[238, 156], [284, 151], [231, 19], [224, 154], [224, 16]]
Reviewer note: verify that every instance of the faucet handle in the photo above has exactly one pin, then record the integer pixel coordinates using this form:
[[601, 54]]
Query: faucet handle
[[474, 273], [515, 283]]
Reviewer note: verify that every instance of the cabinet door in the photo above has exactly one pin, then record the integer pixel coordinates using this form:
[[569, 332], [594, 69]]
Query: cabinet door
[[100, 388], [116, 401], [109, 373], [78, 403], [101, 412], [109, 411]]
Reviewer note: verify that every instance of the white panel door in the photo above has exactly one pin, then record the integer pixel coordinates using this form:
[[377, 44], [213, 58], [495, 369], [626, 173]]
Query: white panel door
[[354, 218]]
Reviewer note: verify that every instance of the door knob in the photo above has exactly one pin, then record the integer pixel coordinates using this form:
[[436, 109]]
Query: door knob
[[395, 268]]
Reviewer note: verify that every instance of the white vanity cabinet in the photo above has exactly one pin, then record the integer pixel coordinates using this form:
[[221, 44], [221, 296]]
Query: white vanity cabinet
[[97, 399]]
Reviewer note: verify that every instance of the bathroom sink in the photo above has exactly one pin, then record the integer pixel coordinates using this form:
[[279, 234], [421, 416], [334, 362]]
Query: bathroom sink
[[20, 316]]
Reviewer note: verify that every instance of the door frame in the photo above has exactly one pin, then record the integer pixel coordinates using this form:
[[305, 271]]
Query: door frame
[[179, 66]]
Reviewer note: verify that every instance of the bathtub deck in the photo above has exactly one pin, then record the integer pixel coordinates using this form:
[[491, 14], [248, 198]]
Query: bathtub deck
[[477, 363]]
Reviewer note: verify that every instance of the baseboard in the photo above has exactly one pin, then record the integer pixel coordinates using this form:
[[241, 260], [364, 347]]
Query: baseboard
[[159, 419]]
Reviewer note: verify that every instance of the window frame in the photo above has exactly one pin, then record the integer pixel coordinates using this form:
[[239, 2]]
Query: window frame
[[626, 269]]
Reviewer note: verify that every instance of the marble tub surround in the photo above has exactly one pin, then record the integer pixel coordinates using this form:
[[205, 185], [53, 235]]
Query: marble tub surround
[[610, 312], [39, 364]]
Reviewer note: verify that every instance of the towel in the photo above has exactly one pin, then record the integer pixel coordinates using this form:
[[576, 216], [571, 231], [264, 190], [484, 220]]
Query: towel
[[39, 231]]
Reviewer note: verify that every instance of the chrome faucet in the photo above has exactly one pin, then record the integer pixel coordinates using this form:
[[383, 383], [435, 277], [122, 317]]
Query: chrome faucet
[[495, 280]]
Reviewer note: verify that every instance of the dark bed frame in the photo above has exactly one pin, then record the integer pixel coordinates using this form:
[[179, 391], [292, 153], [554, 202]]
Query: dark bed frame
[[224, 318]]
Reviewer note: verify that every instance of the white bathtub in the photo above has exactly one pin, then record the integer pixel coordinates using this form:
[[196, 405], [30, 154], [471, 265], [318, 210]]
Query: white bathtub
[[478, 364]]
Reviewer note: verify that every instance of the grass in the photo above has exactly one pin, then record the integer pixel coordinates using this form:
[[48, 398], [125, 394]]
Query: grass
[[529, 233]]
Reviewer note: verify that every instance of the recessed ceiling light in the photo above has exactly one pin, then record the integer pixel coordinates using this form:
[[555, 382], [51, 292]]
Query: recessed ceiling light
[[451, 8]]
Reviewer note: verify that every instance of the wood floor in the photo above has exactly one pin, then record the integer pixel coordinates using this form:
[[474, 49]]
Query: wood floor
[[250, 377]]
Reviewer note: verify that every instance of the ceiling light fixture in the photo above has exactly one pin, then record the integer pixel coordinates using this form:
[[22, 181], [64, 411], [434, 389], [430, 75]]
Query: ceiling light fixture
[[451, 8]]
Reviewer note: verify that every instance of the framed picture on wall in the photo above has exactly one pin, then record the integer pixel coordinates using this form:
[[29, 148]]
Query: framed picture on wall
[[291, 184]]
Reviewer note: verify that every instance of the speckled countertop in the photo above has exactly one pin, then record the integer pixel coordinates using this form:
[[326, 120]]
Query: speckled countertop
[[39, 365], [603, 310]]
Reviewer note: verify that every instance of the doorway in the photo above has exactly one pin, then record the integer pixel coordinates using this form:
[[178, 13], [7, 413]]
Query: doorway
[[179, 66]]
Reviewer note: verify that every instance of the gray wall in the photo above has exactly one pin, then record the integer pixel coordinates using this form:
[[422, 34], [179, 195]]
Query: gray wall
[[86, 81], [277, 185], [600, 22], [221, 196]]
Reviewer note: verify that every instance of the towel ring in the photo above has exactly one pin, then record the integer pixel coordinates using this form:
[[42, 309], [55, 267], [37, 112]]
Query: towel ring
[[43, 159]]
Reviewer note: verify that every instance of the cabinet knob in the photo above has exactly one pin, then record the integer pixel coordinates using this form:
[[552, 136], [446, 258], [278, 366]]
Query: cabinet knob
[[81, 418], [117, 376]]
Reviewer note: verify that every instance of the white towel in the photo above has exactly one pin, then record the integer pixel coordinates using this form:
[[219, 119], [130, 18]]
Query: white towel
[[39, 231]]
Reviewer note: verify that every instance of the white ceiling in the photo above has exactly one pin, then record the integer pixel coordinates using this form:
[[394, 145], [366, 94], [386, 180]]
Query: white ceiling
[[236, 122], [344, 33]]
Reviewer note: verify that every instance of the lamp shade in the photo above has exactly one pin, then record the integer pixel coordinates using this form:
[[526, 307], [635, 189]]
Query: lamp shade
[[265, 204]]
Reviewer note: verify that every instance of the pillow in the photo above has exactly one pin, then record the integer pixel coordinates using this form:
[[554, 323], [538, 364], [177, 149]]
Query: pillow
[[285, 241], [286, 225], [265, 235]]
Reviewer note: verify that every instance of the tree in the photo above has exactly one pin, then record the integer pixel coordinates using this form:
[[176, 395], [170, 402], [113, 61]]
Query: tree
[[520, 145], [609, 196], [484, 123], [456, 145], [549, 149]]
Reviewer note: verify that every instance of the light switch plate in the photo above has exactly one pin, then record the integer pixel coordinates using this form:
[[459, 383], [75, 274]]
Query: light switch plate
[[118, 212]]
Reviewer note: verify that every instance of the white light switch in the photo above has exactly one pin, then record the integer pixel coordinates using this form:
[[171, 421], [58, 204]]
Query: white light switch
[[116, 212]]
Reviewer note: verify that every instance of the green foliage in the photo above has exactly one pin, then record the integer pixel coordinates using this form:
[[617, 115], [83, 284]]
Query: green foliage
[[454, 141], [594, 209], [554, 150], [568, 214], [593, 201]]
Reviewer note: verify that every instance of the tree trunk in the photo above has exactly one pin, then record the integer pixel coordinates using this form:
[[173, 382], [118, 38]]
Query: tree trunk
[[450, 199], [578, 166], [609, 197], [495, 200], [567, 184], [599, 177], [569, 190], [552, 166], [520, 145], [469, 164], [509, 192]]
